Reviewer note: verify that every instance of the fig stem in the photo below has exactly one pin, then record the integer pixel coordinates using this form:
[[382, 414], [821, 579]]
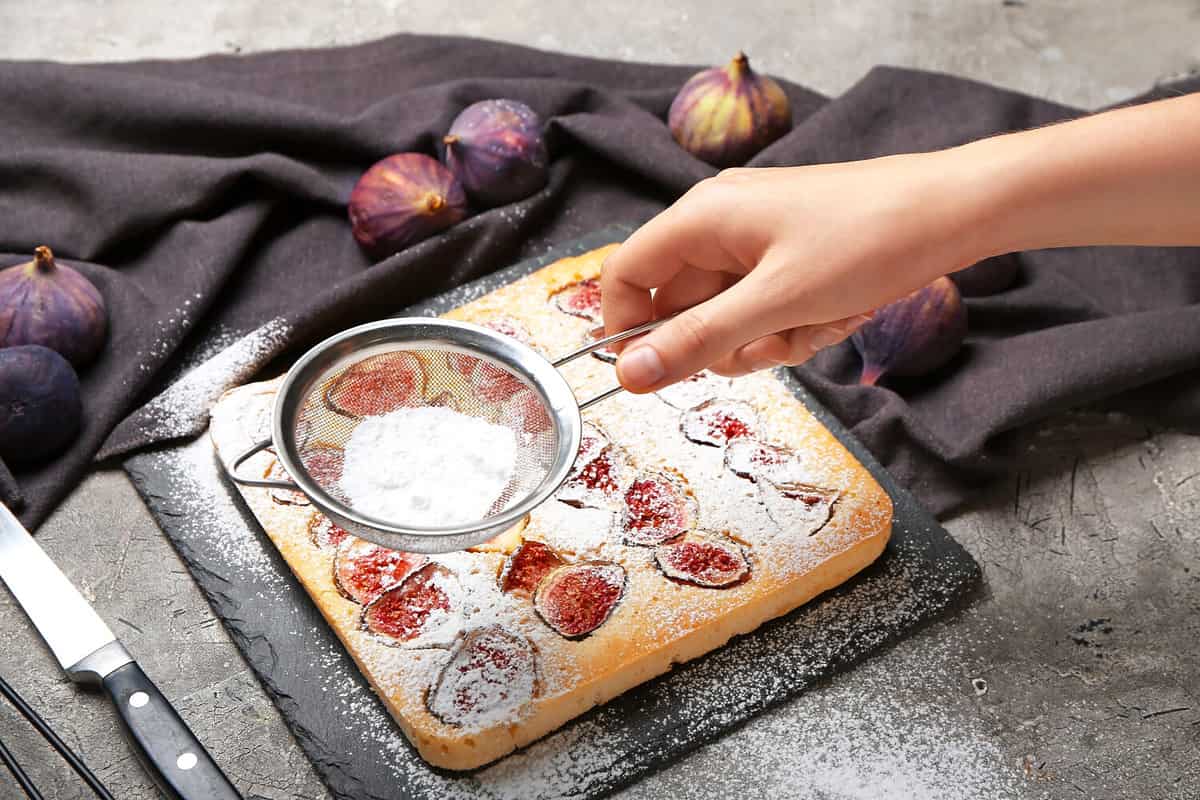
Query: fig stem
[[740, 63], [433, 202], [870, 375], [43, 259], [450, 139]]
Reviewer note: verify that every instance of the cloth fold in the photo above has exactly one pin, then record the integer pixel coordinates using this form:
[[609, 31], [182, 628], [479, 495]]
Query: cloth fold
[[206, 198]]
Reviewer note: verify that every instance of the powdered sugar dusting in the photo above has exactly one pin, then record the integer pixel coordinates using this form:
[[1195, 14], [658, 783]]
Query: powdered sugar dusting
[[710, 694], [182, 410], [427, 466]]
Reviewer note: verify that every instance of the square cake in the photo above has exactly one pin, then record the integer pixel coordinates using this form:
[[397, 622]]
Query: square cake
[[691, 516]]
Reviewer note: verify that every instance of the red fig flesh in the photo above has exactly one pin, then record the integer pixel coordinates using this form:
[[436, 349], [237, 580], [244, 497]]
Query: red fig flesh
[[377, 385], [914, 335], [525, 569], [324, 533], [725, 115], [403, 199], [711, 561], [489, 677], [422, 611], [657, 509], [45, 303], [718, 422], [580, 299], [577, 599], [363, 570], [40, 406], [495, 149]]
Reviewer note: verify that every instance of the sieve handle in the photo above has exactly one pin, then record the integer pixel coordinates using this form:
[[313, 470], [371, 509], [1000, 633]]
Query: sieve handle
[[264, 483], [600, 344], [638, 330]]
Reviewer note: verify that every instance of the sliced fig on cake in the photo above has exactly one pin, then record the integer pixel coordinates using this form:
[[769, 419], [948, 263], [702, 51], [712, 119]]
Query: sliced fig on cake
[[605, 354], [363, 570], [425, 610], [465, 364], [694, 390], [580, 299], [526, 412], [324, 533], [752, 459], [490, 676], [798, 509], [377, 385], [703, 559], [324, 465], [576, 599], [657, 508], [510, 328], [494, 383], [717, 422], [283, 497], [526, 568], [597, 482]]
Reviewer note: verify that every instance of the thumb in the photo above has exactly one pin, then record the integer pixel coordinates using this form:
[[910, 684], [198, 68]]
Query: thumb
[[695, 338]]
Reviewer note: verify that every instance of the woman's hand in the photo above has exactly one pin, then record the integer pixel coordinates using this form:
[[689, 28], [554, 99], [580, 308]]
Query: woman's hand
[[773, 264]]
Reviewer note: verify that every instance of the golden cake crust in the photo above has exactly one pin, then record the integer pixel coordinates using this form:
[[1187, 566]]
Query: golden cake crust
[[658, 622]]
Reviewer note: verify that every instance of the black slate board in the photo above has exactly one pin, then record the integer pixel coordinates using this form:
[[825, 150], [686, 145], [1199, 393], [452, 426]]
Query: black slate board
[[361, 754]]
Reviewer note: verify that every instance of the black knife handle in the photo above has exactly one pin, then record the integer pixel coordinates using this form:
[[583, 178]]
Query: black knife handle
[[167, 748]]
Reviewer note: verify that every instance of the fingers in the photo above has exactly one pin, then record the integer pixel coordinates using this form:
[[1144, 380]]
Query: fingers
[[696, 338], [790, 347], [682, 239]]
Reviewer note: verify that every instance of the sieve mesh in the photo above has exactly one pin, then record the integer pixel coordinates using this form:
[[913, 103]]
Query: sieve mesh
[[396, 376]]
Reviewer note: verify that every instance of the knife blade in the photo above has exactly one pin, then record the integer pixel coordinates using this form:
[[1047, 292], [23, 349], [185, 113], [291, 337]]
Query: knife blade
[[88, 651]]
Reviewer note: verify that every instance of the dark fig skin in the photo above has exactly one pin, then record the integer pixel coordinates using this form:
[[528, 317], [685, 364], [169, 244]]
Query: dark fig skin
[[495, 148], [990, 276], [402, 200], [40, 405], [43, 302], [725, 115], [914, 335]]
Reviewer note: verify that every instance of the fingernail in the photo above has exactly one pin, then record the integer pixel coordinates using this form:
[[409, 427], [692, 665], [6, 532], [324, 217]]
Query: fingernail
[[640, 367], [825, 337]]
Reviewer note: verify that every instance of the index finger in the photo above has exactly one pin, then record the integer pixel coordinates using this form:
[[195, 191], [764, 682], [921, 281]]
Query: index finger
[[678, 238]]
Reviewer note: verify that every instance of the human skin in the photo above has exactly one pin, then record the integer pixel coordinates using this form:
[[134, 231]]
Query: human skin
[[766, 266]]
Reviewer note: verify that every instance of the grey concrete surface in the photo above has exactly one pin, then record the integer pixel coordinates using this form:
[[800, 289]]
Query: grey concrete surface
[[1073, 676]]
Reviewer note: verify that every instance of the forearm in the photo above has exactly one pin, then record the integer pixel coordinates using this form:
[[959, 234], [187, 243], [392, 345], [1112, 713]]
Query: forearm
[[1124, 177]]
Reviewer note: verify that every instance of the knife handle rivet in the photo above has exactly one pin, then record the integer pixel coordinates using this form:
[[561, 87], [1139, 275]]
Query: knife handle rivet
[[138, 699], [186, 761]]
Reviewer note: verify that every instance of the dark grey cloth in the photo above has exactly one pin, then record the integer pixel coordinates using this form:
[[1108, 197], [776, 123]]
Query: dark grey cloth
[[213, 192]]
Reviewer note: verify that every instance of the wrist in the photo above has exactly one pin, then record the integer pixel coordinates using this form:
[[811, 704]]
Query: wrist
[[998, 202]]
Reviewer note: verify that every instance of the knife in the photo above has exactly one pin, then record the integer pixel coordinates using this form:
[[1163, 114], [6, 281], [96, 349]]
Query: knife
[[90, 654]]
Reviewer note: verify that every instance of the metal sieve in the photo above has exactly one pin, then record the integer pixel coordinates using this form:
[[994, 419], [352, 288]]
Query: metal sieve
[[418, 362]]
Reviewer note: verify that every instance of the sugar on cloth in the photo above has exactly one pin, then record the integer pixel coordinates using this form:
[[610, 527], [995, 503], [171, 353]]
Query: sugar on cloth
[[206, 198]]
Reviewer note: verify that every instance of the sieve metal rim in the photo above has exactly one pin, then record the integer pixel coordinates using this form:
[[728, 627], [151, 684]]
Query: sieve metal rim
[[560, 401]]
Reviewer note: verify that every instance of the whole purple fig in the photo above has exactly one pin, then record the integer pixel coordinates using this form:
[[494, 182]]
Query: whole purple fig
[[914, 335], [495, 148], [403, 199], [40, 407], [725, 115], [987, 277], [43, 302]]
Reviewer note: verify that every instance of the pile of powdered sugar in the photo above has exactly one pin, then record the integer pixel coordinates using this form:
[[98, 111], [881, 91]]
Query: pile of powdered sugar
[[428, 466]]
